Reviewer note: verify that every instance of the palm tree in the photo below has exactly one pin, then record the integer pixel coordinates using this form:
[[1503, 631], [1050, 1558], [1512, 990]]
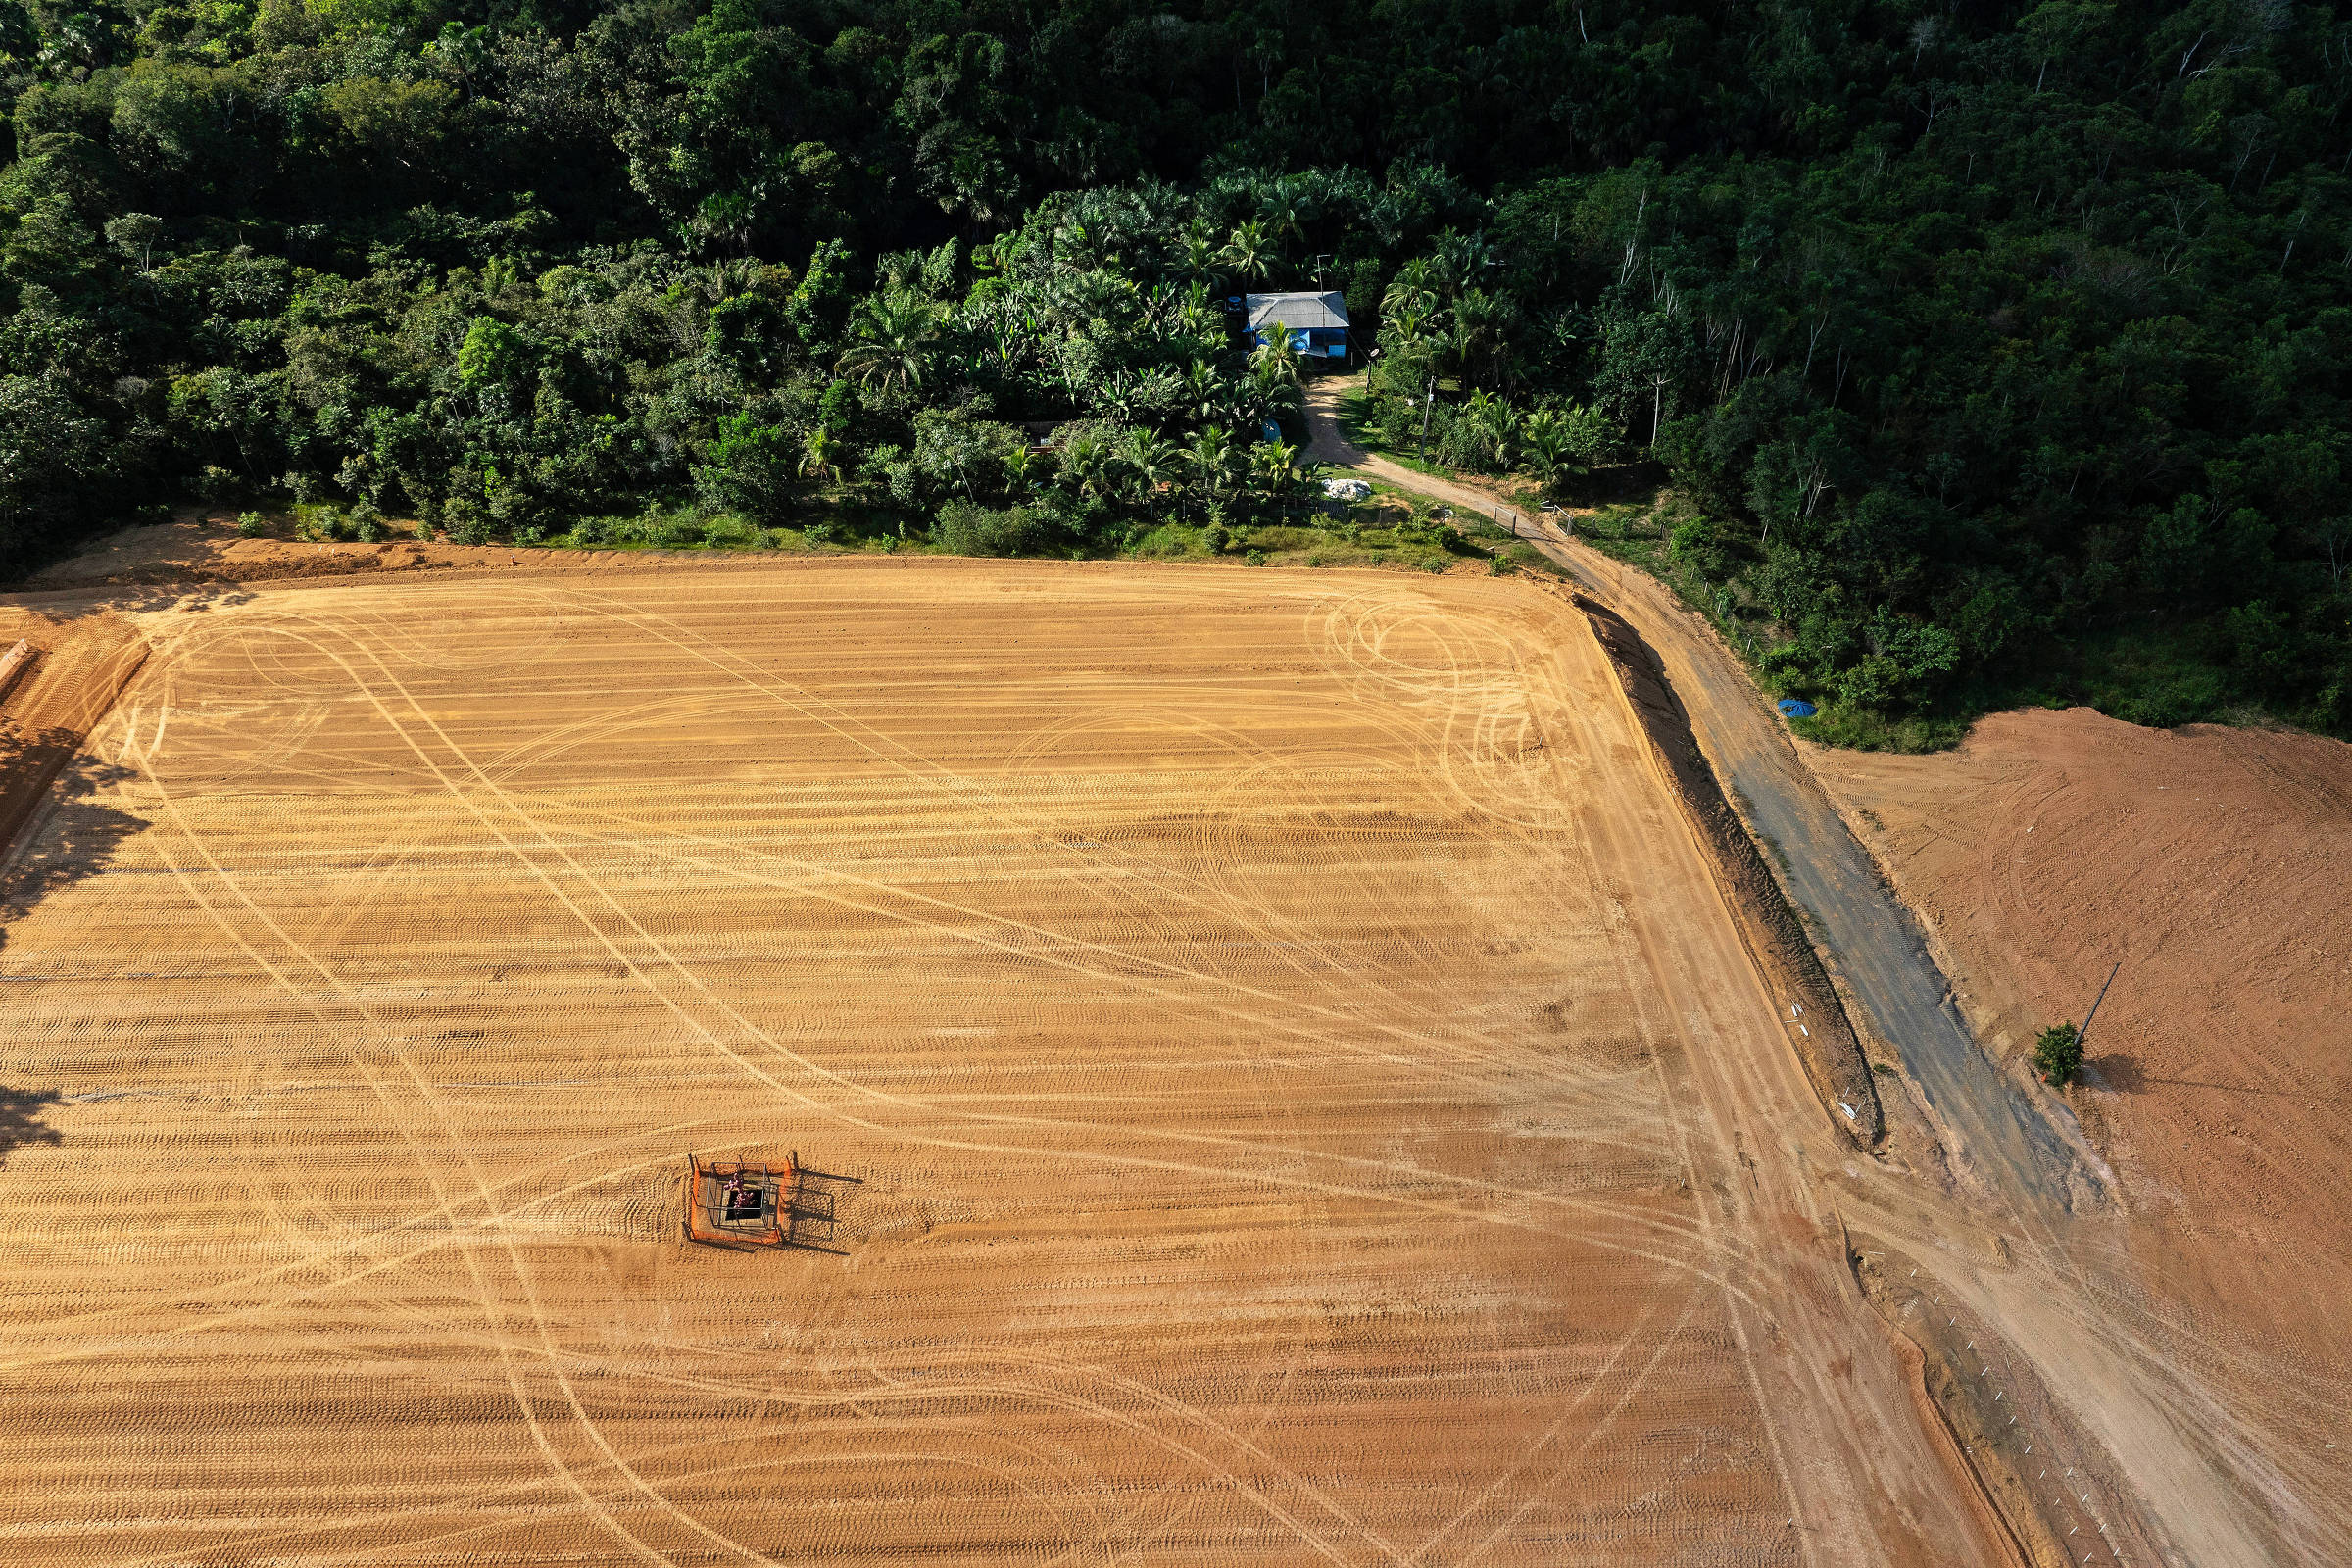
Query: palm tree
[[1024, 465], [819, 454], [1458, 262], [1459, 341], [1003, 333], [1200, 392], [1200, 255], [1087, 461], [1543, 435], [1276, 385], [1197, 317], [1403, 327], [1277, 469], [893, 334], [1117, 396], [1277, 358], [1411, 291], [1272, 385], [1251, 252], [1147, 458], [1280, 212], [1480, 323], [1208, 455], [1560, 443], [1496, 423]]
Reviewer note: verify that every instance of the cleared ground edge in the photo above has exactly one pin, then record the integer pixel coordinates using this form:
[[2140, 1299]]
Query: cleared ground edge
[[1817, 1026], [50, 718]]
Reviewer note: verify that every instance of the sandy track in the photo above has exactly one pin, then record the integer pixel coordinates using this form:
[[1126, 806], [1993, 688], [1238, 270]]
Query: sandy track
[[1308, 1100]]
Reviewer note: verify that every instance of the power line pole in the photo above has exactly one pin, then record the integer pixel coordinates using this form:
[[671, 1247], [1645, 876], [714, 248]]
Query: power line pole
[[2083, 1033]]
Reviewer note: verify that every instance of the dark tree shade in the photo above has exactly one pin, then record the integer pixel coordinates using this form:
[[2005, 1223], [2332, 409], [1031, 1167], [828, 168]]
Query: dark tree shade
[[1991, 350]]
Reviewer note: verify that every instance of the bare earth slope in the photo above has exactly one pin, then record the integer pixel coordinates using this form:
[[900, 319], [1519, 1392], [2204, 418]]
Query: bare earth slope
[[2217, 866], [1305, 1099], [2106, 1389]]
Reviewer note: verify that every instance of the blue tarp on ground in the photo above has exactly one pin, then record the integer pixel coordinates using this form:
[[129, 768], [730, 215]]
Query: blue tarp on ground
[[1797, 708]]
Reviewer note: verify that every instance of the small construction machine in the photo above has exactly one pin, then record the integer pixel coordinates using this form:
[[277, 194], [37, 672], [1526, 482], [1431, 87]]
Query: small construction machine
[[740, 1205]]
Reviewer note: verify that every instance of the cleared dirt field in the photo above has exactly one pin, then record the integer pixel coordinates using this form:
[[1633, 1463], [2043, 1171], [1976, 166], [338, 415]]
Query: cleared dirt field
[[1293, 1092], [2213, 864]]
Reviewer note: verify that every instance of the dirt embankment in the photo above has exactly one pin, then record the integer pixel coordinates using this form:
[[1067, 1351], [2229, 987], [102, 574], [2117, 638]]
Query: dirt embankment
[[77, 670], [2040, 1477], [208, 549], [2211, 862], [1816, 1020]]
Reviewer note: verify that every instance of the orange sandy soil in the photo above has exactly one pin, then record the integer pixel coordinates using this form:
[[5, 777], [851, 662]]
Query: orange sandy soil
[[199, 548], [1306, 1099], [2217, 866]]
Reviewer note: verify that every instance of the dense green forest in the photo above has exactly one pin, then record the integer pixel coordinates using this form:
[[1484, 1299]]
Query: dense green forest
[[1989, 350]]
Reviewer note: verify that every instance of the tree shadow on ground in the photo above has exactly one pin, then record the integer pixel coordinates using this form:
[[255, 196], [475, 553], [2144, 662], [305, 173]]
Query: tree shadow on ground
[[1616, 484], [2127, 1075], [168, 594], [2117, 1071], [64, 839], [21, 1123], [67, 603], [78, 839]]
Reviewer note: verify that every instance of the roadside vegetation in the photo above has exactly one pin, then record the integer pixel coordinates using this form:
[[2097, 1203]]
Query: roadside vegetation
[[1983, 356], [1392, 529]]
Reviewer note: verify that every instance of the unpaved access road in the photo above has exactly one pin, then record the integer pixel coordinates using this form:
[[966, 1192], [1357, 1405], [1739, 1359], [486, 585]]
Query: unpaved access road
[[1292, 1094], [1864, 928], [2161, 1413]]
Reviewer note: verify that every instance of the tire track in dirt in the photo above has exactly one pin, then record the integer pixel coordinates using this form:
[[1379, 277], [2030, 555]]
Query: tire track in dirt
[[546, 837], [487, 1302], [1382, 1149]]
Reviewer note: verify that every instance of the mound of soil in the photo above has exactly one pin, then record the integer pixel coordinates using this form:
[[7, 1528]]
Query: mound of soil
[[2212, 862], [1815, 1023]]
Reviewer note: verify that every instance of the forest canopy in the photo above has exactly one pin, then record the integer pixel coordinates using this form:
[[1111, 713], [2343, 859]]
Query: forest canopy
[[1991, 349]]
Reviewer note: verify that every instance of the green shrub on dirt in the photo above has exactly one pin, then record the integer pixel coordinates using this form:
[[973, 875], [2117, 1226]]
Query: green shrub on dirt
[[965, 529], [2058, 1053]]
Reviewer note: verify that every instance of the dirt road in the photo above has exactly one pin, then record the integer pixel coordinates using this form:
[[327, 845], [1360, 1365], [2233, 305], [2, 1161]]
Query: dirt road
[[1326, 444], [2022, 1238], [1864, 928], [2000, 1139], [1309, 1102]]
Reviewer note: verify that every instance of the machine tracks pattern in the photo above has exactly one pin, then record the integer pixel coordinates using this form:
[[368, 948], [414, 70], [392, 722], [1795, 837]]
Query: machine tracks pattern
[[1306, 1094]]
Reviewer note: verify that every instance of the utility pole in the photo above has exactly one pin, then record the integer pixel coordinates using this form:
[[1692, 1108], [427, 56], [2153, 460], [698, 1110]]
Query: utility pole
[[1429, 396], [2083, 1033]]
